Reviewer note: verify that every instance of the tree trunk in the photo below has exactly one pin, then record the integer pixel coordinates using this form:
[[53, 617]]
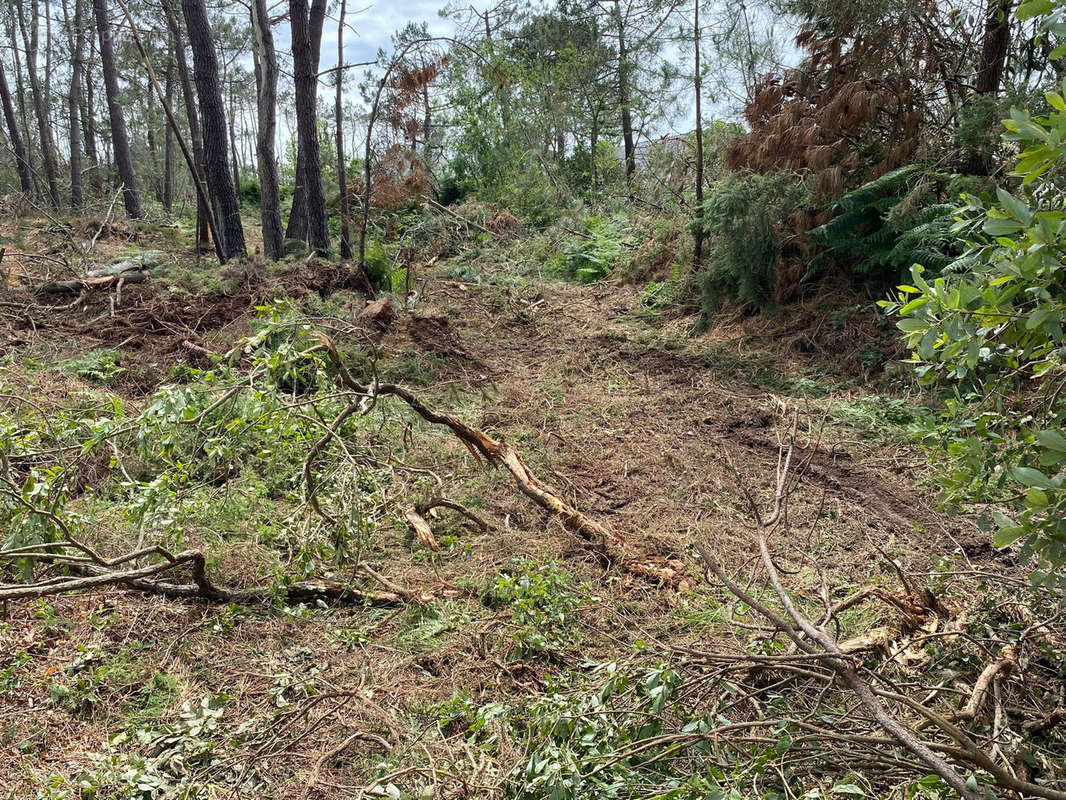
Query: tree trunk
[[994, 47], [427, 124], [202, 232], [168, 134], [623, 95], [342, 180], [23, 166], [306, 45], [77, 47], [88, 109], [40, 104], [266, 83], [120, 142], [20, 95], [697, 256], [233, 144], [213, 117]]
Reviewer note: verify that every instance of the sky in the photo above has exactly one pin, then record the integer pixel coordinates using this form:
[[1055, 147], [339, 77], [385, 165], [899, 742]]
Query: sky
[[375, 23], [372, 23]]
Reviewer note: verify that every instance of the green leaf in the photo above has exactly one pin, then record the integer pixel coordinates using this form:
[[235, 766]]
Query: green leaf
[[914, 305], [848, 788], [1034, 8], [999, 227], [912, 325], [1005, 537], [1027, 476], [1052, 440], [1036, 498]]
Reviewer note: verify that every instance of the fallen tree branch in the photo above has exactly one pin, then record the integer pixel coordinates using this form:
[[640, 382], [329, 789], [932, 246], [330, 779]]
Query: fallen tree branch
[[459, 508], [496, 453], [95, 576], [91, 283], [813, 640]]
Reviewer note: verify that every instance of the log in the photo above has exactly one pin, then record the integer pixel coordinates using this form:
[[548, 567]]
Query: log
[[91, 283]]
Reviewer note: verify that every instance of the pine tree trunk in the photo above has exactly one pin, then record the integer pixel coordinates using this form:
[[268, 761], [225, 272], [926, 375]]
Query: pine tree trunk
[[20, 95], [76, 35], [88, 109], [342, 180], [120, 142], [994, 47], [23, 166], [697, 256], [193, 117], [306, 43], [213, 118], [44, 128], [168, 135], [233, 144], [266, 82], [623, 95]]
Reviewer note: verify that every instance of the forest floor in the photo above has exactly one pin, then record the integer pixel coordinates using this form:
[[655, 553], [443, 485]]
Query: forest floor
[[645, 427]]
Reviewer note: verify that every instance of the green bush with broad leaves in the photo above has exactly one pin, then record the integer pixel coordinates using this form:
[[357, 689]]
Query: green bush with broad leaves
[[991, 329]]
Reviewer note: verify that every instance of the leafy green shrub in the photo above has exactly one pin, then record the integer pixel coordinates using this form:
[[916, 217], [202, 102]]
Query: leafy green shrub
[[592, 257], [743, 220], [378, 263], [97, 366], [991, 330], [250, 193], [542, 607]]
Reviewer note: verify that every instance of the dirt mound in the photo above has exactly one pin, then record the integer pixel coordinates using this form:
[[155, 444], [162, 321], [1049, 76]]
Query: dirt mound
[[433, 334]]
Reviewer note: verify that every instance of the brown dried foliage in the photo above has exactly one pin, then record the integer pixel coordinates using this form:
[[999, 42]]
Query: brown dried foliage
[[855, 109]]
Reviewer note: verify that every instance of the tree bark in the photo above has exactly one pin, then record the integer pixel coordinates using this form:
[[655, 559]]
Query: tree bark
[[697, 255], [189, 97], [233, 144], [306, 43], [342, 180], [266, 83], [213, 117], [88, 110], [20, 95], [623, 95], [44, 129], [168, 134], [23, 166], [76, 34], [994, 47], [120, 142]]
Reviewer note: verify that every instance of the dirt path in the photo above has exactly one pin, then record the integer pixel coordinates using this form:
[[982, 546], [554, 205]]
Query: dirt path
[[640, 425]]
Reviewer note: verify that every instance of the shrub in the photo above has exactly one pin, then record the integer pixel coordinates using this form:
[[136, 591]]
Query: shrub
[[378, 263], [885, 226], [542, 607], [744, 218], [593, 256], [250, 193], [991, 330]]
